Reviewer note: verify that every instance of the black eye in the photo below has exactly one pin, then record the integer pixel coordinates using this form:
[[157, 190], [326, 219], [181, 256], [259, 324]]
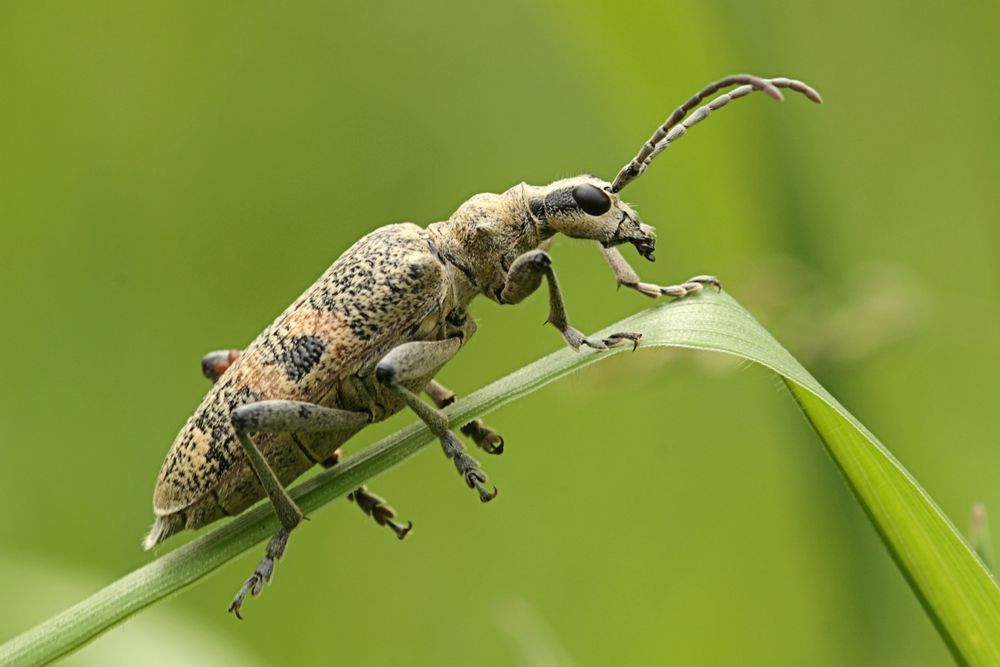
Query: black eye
[[591, 199]]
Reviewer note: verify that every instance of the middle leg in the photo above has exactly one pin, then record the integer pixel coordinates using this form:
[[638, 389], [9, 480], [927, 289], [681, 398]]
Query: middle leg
[[411, 361], [485, 438]]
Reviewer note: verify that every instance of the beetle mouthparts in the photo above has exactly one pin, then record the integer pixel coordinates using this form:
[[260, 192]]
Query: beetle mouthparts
[[645, 241], [646, 248], [636, 233]]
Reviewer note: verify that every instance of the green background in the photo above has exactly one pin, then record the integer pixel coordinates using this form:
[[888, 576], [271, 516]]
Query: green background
[[172, 175]]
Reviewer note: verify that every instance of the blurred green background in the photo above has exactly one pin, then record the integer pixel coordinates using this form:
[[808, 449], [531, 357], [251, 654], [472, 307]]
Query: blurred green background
[[174, 174]]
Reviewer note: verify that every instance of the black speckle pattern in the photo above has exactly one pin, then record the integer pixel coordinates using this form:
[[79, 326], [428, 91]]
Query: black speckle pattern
[[302, 356], [379, 273], [388, 288]]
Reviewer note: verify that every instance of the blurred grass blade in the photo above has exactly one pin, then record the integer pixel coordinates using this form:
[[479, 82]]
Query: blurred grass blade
[[956, 590], [980, 537]]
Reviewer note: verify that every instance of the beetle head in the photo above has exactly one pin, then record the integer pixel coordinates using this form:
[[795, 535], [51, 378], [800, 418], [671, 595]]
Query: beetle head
[[589, 208], [584, 207]]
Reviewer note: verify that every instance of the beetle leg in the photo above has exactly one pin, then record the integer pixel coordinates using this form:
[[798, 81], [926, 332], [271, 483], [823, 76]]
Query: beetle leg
[[281, 417], [626, 275], [371, 504], [440, 394], [215, 363], [485, 438], [332, 459], [525, 276], [376, 507], [411, 361]]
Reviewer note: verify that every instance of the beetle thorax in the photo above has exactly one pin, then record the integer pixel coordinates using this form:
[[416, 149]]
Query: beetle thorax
[[485, 235], [488, 232]]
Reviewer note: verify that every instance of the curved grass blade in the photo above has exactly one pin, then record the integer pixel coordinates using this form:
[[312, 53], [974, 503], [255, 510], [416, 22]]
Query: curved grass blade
[[958, 593]]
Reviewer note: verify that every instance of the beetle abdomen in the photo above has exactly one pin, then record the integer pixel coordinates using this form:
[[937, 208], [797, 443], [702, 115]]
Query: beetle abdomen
[[385, 290]]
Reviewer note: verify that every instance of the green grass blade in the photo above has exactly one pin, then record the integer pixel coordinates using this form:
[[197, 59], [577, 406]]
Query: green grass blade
[[979, 536], [958, 593]]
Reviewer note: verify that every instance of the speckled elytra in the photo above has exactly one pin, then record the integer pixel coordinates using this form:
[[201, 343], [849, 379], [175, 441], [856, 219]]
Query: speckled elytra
[[372, 332]]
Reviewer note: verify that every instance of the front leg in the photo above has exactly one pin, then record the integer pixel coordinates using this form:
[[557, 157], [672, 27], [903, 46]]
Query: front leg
[[525, 276], [626, 275]]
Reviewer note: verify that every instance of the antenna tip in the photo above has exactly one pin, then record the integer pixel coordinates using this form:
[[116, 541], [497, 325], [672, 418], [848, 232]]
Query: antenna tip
[[773, 91]]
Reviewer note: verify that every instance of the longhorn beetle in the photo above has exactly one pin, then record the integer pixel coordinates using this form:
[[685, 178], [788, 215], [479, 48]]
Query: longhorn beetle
[[374, 330]]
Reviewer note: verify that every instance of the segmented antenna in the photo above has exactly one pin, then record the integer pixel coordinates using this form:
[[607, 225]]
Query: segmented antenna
[[673, 128]]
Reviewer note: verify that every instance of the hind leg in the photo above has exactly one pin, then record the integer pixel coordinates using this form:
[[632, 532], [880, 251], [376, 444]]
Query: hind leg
[[215, 363], [281, 417]]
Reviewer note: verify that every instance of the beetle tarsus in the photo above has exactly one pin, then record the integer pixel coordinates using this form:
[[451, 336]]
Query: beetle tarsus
[[619, 338], [475, 479], [474, 476], [466, 466], [263, 573], [577, 339], [376, 507], [690, 286], [398, 528], [485, 438]]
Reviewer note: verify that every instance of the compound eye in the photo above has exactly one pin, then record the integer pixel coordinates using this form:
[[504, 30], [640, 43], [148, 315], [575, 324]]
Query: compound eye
[[592, 199]]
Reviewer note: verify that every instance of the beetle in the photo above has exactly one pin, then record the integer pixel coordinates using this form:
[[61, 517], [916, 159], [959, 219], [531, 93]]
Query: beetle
[[372, 332]]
